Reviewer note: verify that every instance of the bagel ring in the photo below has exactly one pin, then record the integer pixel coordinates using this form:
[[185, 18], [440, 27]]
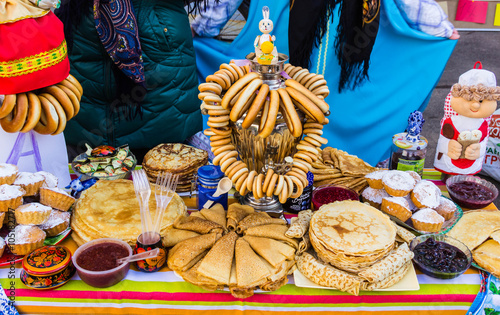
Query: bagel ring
[[34, 112], [49, 120], [272, 184], [241, 180], [267, 180], [236, 87], [14, 121], [73, 97], [60, 112], [63, 99], [250, 178], [73, 88], [7, 105], [76, 83], [279, 185]]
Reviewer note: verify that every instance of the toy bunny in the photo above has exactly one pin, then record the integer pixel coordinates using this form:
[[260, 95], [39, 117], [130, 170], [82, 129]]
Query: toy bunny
[[464, 128], [265, 51]]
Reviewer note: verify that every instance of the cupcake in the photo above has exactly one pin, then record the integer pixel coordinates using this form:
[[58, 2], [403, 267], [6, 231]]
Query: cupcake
[[398, 183], [415, 176], [56, 198], [57, 222], [446, 208], [374, 179], [426, 195], [374, 196], [50, 180], [427, 220], [32, 213], [8, 173], [10, 197], [24, 239], [396, 206], [30, 182], [2, 246]]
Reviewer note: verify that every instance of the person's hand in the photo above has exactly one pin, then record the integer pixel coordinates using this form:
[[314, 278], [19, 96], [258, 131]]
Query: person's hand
[[455, 34], [454, 149], [47, 4], [472, 151]]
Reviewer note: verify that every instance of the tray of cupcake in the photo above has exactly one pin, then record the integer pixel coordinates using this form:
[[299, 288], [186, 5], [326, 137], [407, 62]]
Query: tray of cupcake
[[412, 202], [33, 212]]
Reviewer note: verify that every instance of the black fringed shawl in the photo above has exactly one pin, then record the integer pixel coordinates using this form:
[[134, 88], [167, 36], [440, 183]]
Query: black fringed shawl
[[356, 34]]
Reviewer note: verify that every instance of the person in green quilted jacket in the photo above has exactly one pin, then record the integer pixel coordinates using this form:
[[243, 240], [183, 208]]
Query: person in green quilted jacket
[[136, 63]]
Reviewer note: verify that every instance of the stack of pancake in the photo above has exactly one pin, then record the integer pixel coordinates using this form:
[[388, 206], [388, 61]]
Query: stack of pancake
[[176, 158], [110, 209], [356, 246], [243, 250]]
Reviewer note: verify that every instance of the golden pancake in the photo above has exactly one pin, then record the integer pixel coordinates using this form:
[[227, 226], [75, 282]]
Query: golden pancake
[[352, 227], [482, 223], [487, 255], [111, 209]]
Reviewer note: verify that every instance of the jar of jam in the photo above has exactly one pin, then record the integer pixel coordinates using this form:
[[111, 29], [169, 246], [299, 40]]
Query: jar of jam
[[302, 202], [207, 180], [408, 155]]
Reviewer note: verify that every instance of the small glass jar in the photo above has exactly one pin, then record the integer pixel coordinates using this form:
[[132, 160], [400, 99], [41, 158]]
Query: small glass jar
[[302, 202], [407, 155], [208, 179]]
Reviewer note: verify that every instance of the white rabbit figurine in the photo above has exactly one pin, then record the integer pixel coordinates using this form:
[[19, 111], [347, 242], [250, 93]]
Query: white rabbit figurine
[[265, 50]]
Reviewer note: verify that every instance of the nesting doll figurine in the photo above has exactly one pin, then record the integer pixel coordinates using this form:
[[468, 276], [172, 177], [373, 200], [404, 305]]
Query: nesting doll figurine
[[464, 128]]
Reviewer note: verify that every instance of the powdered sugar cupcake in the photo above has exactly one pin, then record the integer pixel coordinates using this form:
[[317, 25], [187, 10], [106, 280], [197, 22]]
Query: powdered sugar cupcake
[[57, 222], [24, 239], [396, 206], [32, 213], [50, 180], [56, 198], [30, 182], [398, 183], [10, 197], [446, 208], [426, 195], [374, 179], [8, 173], [427, 220], [374, 196]]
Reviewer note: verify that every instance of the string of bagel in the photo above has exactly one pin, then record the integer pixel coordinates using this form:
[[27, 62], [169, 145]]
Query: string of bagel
[[233, 91], [45, 111]]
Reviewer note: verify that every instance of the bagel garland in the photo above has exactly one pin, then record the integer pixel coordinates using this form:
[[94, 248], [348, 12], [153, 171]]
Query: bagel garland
[[46, 113], [235, 91]]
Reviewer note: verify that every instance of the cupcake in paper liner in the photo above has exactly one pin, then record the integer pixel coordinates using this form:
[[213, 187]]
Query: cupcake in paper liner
[[11, 197], [57, 223], [8, 173], [56, 198], [24, 239], [32, 213], [30, 182]]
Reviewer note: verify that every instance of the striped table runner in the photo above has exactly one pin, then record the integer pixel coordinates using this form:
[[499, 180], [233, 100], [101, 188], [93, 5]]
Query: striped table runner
[[164, 293]]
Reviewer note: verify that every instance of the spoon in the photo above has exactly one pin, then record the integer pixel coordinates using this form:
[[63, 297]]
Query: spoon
[[223, 187], [144, 255]]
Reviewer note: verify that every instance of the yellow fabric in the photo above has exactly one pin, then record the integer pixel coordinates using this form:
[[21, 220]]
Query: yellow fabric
[[16, 10]]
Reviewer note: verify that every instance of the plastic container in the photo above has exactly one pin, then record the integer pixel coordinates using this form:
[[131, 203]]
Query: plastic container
[[207, 180], [408, 155], [433, 272], [470, 197], [330, 193], [107, 278]]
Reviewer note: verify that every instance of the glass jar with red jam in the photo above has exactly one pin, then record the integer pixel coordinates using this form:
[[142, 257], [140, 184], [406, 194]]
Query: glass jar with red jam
[[326, 194]]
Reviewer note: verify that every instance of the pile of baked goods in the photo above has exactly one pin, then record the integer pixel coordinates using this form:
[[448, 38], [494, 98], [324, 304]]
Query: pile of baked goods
[[233, 93], [45, 215], [176, 158], [341, 168], [355, 248], [479, 230], [241, 249], [46, 112], [111, 209], [406, 196]]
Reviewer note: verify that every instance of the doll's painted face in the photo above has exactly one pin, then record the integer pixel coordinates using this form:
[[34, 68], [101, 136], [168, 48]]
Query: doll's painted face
[[473, 108]]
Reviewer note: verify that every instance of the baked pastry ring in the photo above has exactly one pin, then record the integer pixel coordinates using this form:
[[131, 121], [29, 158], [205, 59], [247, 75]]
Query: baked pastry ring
[[34, 112], [49, 120], [7, 105], [15, 120]]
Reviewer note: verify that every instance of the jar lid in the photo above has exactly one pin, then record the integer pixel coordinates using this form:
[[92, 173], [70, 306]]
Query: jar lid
[[210, 172], [400, 141], [47, 260]]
